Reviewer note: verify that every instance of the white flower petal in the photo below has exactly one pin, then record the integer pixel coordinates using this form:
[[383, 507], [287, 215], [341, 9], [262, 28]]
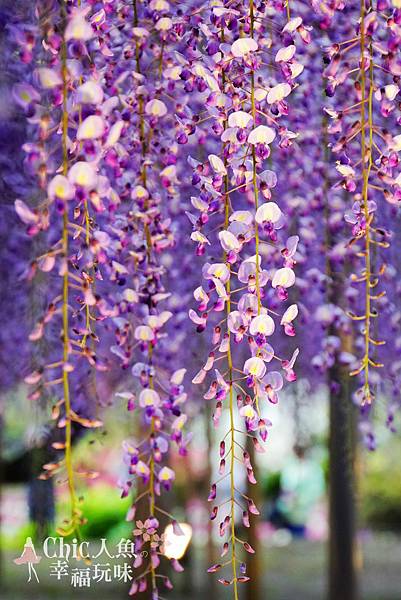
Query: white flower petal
[[140, 32], [49, 78], [290, 314], [26, 215], [255, 366], [200, 295], [278, 92], [248, 412], [263, 324], [243, 46], [229, 135], [260, 94], [164, 24], [285, 54], [242, 216], [178, 377], [172, 73], [219, 271], [261, 135], [391, 91], [144, 333], [90, 92], [197, 236], [149, 397], [83, 174], [24, 94], [60, 187], [269, 211], [78, 29], [296, 69], [229, 241], [114, 134], [139, 193], [217, 164], [159, 5], [292, 24], [345, 170], [156, 108], [396, 144], [91, 128], [284, 277], [239, 118]]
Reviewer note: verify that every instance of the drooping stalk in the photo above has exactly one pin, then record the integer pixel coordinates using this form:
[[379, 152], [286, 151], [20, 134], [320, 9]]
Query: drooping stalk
[[247, 320], [232, 453], [87, 240], [288, 10], [230, 378], [65, 299], [254, 176], [367, 162], [88, 316], [144, 149], [255, 185], [363, 174]]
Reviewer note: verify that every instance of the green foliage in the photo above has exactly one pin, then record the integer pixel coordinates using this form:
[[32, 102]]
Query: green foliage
[[104, 510], [271, 485], [16, 541], [380, 489], [102, 507]]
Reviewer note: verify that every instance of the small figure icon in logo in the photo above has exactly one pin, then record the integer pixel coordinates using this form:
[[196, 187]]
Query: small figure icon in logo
[[29, 557]]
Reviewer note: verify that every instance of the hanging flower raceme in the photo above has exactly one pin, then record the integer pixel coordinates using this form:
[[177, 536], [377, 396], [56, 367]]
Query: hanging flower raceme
[[367, 159], [242, 121], [122, 101], [65, 155], [140, 157]]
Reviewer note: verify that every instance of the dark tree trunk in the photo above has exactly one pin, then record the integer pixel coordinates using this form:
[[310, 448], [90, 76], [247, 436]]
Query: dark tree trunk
[[342, 544], [41, 494], [342, 571]]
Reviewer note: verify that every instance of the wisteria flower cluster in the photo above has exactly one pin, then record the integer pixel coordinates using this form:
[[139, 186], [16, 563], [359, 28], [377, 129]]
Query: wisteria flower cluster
[[236, 190], [65, 155], [225, 167], [366, 66]]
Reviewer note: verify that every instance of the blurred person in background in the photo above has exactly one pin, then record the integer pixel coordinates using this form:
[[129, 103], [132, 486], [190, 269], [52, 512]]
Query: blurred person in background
[[302, 489]]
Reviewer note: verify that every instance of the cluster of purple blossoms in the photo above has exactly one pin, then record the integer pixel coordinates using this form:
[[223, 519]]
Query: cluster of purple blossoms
[[363, 73], [242, 109], [122, 101]]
